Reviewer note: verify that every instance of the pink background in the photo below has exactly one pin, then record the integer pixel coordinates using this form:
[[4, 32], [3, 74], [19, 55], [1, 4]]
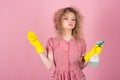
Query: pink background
[[18, 59]]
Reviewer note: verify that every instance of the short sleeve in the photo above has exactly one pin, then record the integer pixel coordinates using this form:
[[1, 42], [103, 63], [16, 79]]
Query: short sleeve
[[49, 46], [83, 47]]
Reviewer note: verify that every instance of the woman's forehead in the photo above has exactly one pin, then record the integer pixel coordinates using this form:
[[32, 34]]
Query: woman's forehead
[[67, 14]]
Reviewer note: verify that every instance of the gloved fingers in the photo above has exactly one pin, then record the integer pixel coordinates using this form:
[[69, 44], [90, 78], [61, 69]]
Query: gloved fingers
[[31, 36], [98, 49], [94, 48]]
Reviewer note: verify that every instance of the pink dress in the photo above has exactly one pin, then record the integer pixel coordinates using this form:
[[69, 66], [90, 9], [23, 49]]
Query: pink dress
[[67, 55]]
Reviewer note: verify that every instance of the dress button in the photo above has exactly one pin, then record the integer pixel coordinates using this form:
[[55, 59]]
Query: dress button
[[66, 51], [67, 66]]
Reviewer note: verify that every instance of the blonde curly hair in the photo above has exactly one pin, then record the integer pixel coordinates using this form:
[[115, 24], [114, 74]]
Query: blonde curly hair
[[76, 32]]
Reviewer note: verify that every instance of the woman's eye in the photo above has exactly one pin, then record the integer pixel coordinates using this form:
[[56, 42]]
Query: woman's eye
[[73, 19], [65, 18]]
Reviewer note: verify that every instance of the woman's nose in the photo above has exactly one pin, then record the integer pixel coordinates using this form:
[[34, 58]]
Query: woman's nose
[[70, 20]]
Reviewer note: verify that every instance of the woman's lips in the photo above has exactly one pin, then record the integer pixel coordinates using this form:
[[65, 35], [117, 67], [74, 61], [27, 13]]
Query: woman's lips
[[70, 25]]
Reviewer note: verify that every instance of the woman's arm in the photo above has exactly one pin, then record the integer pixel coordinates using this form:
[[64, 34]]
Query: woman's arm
[[83, 63], [34, 41], [48, 61]]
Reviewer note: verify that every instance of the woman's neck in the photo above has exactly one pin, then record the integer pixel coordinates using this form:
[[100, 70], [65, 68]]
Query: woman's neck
[[67, 34]]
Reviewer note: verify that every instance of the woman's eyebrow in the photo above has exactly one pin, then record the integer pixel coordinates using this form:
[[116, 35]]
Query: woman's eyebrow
[[65, 16], [71, 17]]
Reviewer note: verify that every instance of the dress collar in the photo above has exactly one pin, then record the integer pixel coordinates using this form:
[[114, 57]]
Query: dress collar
[[61, 38]]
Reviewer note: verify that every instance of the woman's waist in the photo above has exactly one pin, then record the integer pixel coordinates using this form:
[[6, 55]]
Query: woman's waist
[[67, 67], [69, 71]]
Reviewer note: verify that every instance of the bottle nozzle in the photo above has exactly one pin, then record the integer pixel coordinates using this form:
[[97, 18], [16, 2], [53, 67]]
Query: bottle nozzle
[[100, 43]]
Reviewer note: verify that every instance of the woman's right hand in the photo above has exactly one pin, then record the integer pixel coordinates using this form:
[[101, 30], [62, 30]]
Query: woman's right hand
[[34, 41]]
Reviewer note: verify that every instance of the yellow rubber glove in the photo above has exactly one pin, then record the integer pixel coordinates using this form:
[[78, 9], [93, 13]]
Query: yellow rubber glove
[[33, 39], [96, 50]]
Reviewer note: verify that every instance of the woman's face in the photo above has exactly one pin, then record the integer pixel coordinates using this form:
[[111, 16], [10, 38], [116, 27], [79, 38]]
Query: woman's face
[[68, 21]]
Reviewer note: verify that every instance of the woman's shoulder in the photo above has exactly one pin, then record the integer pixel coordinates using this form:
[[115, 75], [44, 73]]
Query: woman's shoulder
[[53, 39], [81, 41]]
